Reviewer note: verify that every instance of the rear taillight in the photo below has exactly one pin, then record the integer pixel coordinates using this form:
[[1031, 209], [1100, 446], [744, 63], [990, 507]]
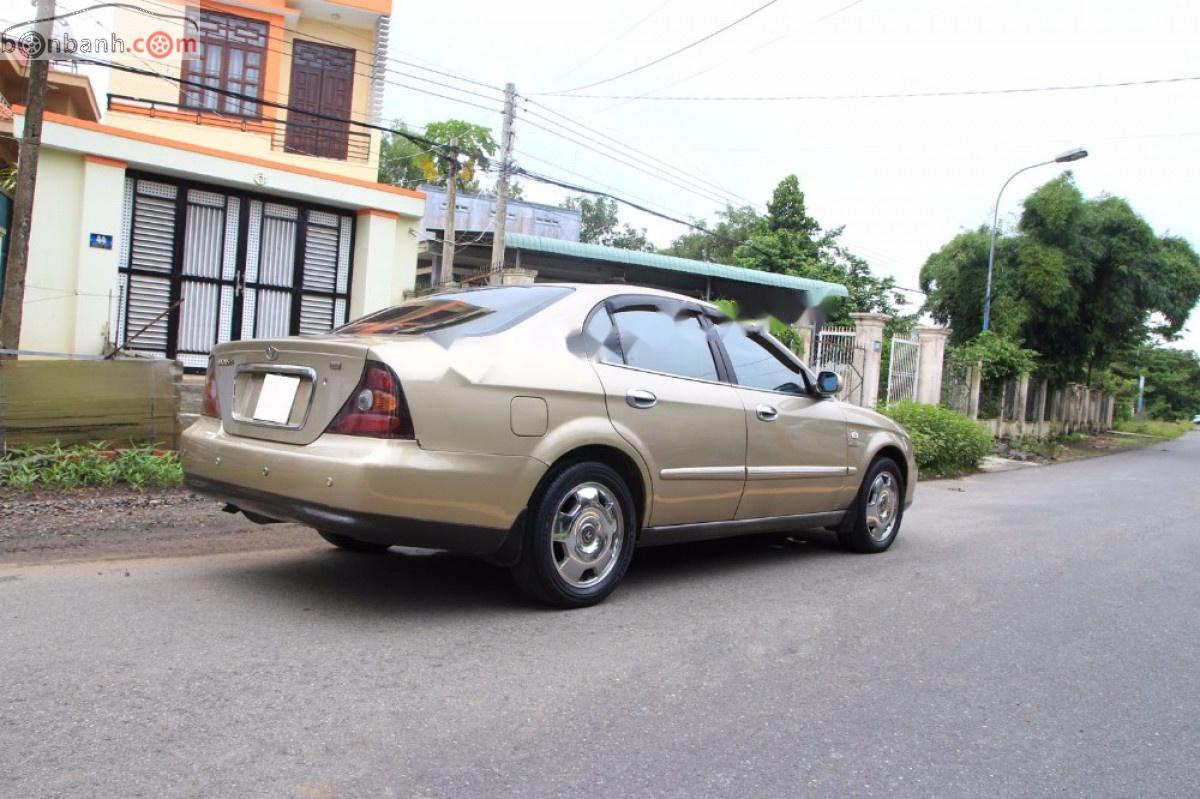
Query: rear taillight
[[211, 406], [376, 408]]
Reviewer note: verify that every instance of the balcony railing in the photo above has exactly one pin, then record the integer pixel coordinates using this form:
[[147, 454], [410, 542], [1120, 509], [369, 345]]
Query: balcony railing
[[300, 137]]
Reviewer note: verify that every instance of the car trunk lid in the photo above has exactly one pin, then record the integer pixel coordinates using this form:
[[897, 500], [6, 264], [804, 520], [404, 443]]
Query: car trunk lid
[[286, 390]]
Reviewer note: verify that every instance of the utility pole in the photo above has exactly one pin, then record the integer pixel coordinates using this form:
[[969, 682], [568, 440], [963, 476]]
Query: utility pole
[[506, 147], [27, 164], [446, 273]]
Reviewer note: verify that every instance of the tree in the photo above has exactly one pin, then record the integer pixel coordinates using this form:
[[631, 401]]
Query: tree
[[602, 225], [398, 159], [734, 227], [790, 241], [1172, 380], [516, 191], [403, 162], [1080, 281]]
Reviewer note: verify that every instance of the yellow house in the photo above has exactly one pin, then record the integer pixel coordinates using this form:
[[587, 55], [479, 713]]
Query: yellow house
[[224, 194]]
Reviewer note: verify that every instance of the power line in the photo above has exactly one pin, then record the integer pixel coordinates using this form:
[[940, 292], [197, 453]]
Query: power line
[[696, 178], [612, 42], [648, 166], [892, 96], [691, 189], [575, 173], [615, 198], [830, 15], [671, 54]]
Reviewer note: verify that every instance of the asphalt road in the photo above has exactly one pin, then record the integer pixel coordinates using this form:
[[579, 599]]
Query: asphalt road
[[1032, 633]]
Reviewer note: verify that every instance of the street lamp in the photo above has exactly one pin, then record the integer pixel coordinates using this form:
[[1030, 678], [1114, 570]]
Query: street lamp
[[1070, 155]]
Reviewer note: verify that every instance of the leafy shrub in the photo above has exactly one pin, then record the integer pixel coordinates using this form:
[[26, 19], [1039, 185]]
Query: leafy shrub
[[999, 357], [945, 443], [90, 465]]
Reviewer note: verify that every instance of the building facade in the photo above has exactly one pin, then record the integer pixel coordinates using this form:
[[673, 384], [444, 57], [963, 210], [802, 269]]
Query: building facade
[[226, 195]]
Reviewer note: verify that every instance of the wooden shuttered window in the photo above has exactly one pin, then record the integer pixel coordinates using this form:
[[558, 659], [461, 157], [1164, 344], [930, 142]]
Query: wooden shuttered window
[[231, 55]]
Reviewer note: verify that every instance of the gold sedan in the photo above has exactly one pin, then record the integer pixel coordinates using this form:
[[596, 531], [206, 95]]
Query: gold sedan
[[549, 428]]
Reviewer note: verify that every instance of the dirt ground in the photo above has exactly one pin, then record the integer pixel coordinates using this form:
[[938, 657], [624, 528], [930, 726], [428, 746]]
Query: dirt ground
[[96, 524]]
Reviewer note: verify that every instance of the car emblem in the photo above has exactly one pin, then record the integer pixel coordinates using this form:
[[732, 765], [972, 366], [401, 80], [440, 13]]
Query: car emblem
[[272, 353]]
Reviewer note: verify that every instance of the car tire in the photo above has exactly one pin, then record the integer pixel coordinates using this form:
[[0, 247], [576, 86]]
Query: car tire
[[351, 544], [872, 523], [579, 539]]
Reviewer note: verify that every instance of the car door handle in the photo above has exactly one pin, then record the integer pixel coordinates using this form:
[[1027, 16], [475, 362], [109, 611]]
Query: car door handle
[[767, 413], [640, 398]]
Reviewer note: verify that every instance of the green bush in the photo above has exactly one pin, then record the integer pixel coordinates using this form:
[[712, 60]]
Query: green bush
[[91, 465], [945, 443]]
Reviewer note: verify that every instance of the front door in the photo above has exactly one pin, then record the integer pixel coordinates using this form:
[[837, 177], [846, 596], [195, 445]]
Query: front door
[[665, 397], [322, 89], [201, 266], [796, 445]]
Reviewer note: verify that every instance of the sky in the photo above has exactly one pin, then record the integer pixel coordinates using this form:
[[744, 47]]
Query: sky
[[902, 175]]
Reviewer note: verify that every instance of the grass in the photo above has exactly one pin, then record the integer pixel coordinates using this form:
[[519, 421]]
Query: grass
[[90, 465], [1153, 427]]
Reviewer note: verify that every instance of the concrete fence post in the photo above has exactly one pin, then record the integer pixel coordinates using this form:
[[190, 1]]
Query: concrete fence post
[[974, 383], [1021, 402], [931, 352], [805, 332], [1042, 427], [868, 340]]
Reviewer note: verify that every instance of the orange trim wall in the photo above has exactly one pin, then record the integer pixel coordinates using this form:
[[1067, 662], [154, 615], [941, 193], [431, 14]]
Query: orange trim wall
[[99, 159], [383, 7], [195, 117], [378, 212], [228, 156]]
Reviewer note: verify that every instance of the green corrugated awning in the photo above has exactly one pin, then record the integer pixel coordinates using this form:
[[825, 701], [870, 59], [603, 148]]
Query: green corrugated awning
[[817, 291]]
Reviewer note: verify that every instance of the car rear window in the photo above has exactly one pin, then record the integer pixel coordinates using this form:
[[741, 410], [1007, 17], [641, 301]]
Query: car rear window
[[474, 312]]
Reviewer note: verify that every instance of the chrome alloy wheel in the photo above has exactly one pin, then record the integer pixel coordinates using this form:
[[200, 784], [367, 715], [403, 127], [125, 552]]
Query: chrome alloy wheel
[[883, 504], [588, 534]]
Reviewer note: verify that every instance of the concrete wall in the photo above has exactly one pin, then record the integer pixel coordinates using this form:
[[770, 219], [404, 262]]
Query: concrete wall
[[77, 401], [52, 302]]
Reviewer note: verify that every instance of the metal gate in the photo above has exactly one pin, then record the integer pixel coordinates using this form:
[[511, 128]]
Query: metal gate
[[202, 266], [836, 353], [903, 366]]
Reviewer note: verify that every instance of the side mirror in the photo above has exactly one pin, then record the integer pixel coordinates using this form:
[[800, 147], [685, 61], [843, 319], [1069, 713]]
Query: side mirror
[[829, 383]]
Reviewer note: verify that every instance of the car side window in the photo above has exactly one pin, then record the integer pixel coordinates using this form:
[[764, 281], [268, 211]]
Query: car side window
[[756, 365], [660, 342]]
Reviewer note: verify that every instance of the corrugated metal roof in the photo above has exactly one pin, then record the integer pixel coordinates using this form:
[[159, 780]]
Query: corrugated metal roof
[[817, 290]]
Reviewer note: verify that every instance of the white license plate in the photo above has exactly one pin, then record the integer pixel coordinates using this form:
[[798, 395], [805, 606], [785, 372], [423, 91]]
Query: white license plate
[[276, 398]]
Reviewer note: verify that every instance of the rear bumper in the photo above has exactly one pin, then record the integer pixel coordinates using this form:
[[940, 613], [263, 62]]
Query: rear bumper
[[392, 492], [363, 526]]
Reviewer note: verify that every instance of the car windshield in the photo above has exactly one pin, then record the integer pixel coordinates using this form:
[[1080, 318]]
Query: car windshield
[[476, 312]]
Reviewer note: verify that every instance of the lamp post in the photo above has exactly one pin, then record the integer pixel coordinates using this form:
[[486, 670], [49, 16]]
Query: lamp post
[[1070, 155]]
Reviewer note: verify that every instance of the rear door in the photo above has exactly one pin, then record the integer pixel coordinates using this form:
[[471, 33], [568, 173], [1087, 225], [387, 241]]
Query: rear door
[[796, 445], [665, 396]]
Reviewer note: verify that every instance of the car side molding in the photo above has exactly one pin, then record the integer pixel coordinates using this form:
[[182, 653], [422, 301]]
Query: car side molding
[[704, 531]]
